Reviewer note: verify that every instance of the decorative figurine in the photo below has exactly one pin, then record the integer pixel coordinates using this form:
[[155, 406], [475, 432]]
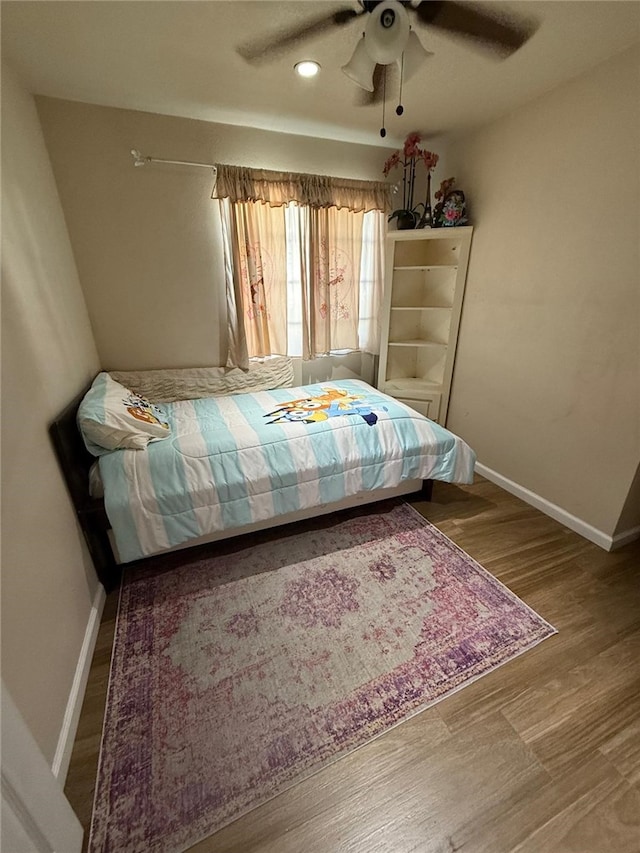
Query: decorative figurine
[[451, 211]]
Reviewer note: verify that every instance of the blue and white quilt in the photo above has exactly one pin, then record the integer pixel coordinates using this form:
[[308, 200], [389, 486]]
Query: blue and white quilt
[[245, 458]]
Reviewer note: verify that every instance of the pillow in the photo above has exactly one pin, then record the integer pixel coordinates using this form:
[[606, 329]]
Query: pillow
[[111, 417], [190, 383]]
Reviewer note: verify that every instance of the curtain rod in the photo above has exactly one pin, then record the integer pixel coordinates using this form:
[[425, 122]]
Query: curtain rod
[[140, 160]]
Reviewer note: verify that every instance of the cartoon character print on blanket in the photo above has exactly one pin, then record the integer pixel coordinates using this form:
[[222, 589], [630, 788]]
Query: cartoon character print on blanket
[[332, 403], [142, 410]]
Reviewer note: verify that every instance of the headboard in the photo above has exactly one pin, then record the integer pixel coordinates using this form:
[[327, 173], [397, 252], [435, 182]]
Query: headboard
[[75, 462]]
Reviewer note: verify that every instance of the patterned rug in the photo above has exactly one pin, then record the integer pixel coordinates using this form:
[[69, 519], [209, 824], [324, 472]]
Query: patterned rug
[[237, 675]]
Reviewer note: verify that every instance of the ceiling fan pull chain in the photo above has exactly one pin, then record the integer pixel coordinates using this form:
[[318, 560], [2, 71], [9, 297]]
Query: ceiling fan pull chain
[[383, 131], [400, 108]]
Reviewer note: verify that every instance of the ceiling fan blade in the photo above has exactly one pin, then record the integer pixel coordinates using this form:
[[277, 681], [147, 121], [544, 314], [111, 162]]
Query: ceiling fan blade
[[269, 47], [502, 34]]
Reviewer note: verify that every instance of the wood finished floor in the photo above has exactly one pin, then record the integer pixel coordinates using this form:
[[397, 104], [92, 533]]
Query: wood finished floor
[[539, 756]]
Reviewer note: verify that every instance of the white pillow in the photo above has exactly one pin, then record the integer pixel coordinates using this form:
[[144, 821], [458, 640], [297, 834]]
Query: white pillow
[[111, 417]]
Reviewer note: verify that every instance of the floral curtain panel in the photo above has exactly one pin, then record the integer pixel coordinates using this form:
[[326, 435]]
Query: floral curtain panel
[[336, 245], [255, 240], [302, 256]]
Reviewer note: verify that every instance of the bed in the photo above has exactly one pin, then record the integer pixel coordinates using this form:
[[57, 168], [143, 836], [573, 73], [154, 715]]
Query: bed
[[236, 462]]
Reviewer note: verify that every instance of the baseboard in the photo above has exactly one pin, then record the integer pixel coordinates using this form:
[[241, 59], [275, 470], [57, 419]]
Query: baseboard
[[598, 537], [625, 537], [64, 748]]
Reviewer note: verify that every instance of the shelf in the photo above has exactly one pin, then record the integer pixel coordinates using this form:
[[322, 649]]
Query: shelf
[[415, 289], [417, 342], [427, 267], [420, 366], [413, 389], [426, 254], [425, 279], [421, 307]]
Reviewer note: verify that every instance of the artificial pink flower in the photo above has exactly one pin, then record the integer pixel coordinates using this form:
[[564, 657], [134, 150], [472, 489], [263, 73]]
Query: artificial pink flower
[[411, 147], [445, 186], [393, 160], [407, 157], [430, 160]]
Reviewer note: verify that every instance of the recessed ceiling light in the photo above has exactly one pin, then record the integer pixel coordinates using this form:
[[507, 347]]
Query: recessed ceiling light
[[307, 68]]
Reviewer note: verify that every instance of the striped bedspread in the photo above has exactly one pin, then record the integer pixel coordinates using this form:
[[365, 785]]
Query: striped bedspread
[[246, 458]]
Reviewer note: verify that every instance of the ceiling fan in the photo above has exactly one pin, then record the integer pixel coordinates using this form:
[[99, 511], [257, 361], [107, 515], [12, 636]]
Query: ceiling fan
[[388, 37]]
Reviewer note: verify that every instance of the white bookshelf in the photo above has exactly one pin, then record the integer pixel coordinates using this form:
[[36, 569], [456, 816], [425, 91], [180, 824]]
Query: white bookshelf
[[425, 277]]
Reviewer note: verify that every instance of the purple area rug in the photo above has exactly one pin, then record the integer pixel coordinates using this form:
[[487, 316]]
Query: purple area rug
[[237, 675]]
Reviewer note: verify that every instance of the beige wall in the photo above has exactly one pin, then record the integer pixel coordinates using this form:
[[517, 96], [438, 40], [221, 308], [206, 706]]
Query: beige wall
[[630, 515], [147, 240], [48, 355], [547, 380]]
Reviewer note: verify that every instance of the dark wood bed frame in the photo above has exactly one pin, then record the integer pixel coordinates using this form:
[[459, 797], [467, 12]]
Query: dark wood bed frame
[[75, 462]]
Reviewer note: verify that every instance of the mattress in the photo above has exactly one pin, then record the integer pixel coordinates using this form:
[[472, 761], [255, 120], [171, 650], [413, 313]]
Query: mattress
[[244, 458]]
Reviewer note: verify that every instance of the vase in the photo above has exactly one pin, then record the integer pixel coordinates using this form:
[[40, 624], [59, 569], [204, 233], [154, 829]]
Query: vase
[[406, 219]]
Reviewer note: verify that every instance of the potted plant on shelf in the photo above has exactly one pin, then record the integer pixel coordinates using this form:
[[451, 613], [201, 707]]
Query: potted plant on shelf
[[409, 216]]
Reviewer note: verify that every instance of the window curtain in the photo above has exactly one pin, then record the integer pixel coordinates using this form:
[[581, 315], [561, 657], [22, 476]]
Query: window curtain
[[372, 281], [238, 183], [336, 245], [256, 275], [303, 232]]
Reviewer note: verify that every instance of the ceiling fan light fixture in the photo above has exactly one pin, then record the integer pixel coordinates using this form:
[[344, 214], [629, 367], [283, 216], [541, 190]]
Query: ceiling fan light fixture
[[307, 68], [414, 55], [360, 67], [387, 32]]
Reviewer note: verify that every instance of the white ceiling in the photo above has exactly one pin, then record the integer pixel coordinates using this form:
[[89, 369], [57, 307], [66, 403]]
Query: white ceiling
[[179, 58]]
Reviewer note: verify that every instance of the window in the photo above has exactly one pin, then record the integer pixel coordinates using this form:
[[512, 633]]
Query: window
[[303, 279]]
